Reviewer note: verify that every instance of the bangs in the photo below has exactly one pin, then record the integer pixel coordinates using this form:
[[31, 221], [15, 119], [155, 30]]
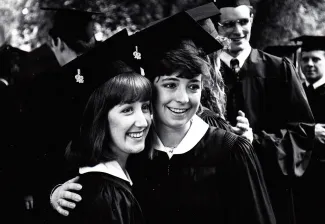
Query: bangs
[[186, 58], [130, 88]]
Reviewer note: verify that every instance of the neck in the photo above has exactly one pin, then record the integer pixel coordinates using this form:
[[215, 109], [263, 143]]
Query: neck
[[170, 136], [234, 53], [122, 159]]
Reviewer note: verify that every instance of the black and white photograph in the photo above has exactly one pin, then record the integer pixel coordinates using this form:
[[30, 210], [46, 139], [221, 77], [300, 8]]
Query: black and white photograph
[[162, 111]]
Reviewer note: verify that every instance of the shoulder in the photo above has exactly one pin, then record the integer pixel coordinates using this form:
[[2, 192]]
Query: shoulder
[[272, 65], [213, 119], [104, 198], [262, 56], [221, 146]]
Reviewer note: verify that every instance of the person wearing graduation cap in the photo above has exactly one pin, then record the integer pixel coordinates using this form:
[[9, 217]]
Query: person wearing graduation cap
[[267, 89], [114, 102], [71, 35], [213, 101], [312, 189], [191, 172]]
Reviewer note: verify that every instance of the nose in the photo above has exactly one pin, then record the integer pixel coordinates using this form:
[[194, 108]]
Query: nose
[[310, 62], [181, 95], [237, 29], [140, 119]]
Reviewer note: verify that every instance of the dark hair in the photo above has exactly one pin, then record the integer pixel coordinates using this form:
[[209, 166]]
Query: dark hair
[[91, 145], [185, 57], [192, 61]]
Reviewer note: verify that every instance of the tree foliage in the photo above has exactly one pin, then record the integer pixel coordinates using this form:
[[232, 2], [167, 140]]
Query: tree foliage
[[275, 22]]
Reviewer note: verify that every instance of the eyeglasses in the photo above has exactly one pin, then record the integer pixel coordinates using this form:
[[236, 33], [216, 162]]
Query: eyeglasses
[[231, 24]]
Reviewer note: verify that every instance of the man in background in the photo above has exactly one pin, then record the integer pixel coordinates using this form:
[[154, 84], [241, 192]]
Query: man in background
[[266, 88], [311, 203]]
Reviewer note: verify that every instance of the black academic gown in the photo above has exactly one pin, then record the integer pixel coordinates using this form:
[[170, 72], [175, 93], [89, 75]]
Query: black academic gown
[[218, 181], [213, 119], [311, 189], [105, 199], [269, 92], [49, 123]]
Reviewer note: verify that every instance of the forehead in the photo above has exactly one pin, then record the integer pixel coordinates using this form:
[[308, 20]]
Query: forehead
[[234, 13], [178, 76], [314, 53]]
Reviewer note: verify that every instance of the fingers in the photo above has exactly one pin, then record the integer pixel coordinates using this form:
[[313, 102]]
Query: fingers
[[62, 211], [73, 180], [69, 196], [27, 205], [66, 204], [241, 113]]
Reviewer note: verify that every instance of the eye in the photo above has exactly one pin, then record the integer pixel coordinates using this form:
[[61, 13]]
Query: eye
[[229, 24], [243, 22], [146, 107], [315, 60], [305, 60], [169, 85], [127, 110], [194, 87]]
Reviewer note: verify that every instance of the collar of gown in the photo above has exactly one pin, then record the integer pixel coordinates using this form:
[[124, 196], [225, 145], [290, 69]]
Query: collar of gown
[[112, 167], [318, 83], [225, 57], [192, 137]]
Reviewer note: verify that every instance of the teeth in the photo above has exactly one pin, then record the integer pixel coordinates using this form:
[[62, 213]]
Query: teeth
[[136, 135], [177, 110]]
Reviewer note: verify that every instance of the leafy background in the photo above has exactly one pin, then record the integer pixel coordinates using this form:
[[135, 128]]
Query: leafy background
[[276, 21]]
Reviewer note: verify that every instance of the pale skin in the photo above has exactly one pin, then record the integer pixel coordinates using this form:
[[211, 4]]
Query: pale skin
[[239, 34], [62, 52], [313, 66], [176, 93]]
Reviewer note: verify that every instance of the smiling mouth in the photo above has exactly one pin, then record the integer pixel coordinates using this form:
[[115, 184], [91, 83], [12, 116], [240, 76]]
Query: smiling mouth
[[135, 135], [237, 39], [177, 110]]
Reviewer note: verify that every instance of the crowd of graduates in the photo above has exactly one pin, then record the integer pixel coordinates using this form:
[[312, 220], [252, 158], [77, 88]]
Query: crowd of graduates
[[180, 122]]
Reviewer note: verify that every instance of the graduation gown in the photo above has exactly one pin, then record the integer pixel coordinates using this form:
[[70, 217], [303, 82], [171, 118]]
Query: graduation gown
[[218, 180], [50, 120], [268, 90], [213, 119], [105, 199], [311, 189]]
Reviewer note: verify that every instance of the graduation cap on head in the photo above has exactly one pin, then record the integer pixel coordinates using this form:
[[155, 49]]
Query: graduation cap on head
[[154, 41], [203, 14], [231, 3], [282, 50], [310, 42], [204, 11], [108, 59], [71, 24]]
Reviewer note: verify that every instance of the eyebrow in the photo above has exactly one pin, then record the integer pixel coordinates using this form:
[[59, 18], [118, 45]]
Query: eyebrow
[[170, 79], [177, 80]]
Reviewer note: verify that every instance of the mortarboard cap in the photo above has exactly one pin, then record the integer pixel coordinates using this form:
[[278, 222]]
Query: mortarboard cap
[[72, 25], [231, 3], [78, 79], [282, 50], [204, 11], [311, 42], [108, 59], [155, 40], [203, 15]]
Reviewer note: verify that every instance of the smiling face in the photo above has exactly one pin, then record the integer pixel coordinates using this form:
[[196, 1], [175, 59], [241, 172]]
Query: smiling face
[[313, 65], [236, 24], [177, 99], [129, 125]]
